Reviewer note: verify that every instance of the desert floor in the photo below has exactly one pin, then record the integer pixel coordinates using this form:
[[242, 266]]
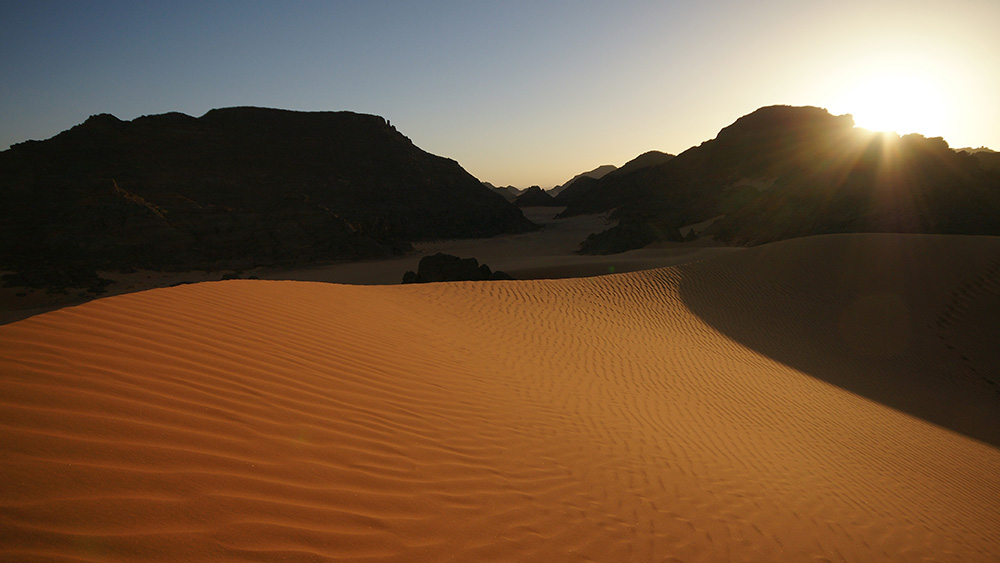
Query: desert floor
[[830, 398], [548, 253]]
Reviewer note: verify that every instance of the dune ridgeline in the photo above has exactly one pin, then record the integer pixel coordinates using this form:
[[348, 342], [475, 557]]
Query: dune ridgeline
[[827, 398]]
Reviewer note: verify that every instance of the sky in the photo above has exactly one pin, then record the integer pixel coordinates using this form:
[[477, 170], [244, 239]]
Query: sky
[[519, 93]]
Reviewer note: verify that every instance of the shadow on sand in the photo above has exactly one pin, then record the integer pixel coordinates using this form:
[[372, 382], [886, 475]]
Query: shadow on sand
[[908, 321]]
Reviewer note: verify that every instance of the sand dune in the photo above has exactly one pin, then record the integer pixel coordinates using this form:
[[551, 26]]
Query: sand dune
[[549, 253], [731, 409]]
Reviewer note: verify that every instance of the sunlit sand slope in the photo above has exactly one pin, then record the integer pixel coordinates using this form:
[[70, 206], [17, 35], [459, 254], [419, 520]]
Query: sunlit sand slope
[[595, 419]]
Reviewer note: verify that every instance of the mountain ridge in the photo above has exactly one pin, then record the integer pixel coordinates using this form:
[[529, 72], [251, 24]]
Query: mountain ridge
[[596, 173], [783, 172], [236, 187]]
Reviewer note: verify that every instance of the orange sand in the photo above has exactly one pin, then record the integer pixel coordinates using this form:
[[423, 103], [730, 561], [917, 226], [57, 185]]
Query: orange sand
[[693, 413]]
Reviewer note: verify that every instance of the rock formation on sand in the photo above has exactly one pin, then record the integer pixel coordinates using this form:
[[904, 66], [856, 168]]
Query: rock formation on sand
[[237, 187], [783, 172], [445, 267]]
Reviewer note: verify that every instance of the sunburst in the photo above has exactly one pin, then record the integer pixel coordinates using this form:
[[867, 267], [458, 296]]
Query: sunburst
[[901, 100]]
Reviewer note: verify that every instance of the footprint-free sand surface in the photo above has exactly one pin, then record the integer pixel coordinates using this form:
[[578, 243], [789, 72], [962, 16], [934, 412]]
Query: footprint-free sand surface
[[822, 399]]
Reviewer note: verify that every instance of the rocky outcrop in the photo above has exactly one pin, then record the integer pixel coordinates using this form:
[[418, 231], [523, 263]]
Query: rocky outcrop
[[629, 235], [510, 193], [580, 196], [595, 174], [783, 172], [445, 267], [988, 159], [644, 160], [534, 197], [235, 188]]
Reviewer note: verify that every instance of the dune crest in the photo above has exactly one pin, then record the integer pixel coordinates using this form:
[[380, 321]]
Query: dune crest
[[581, 419]]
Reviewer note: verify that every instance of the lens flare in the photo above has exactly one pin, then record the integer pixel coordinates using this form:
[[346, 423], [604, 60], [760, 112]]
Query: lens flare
[[897, 100]]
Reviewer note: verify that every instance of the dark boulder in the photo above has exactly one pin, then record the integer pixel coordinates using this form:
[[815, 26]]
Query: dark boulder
[[445, 267], [629, 234]]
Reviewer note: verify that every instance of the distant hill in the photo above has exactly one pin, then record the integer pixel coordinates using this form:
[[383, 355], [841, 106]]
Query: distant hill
[[237, 187], [783, 172], [580, 199], [535, 197], [644, 160], [509, 193], [596, 173]]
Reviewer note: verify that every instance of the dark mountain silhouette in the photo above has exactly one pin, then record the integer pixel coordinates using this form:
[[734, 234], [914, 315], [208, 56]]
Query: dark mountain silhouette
[[509, 193], [237, 187], [534, 196], [988, 158], [596, 174], [650, 158], [579, 199], [783, 172]]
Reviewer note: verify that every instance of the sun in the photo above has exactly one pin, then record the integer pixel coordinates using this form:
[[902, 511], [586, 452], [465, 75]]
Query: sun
[[899, 100]]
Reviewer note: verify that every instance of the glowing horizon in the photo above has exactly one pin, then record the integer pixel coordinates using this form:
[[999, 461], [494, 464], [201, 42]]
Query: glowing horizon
[[521, 93]]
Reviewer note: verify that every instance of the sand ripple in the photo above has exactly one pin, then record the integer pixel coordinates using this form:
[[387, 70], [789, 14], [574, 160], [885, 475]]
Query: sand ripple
[[666, 415]]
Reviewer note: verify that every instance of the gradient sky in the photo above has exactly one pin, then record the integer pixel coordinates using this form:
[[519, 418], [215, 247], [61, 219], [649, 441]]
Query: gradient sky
[[517, 92]]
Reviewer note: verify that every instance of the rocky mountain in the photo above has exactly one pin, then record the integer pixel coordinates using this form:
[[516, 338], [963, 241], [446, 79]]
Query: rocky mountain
[[596, 174], [783, 172], [509, 193], [236, 187], [576, 197], [646, 159], [534, 197], [988, 158], [596, 195]]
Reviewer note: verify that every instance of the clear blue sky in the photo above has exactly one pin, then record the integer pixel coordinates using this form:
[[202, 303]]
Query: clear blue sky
[[518, 92]]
